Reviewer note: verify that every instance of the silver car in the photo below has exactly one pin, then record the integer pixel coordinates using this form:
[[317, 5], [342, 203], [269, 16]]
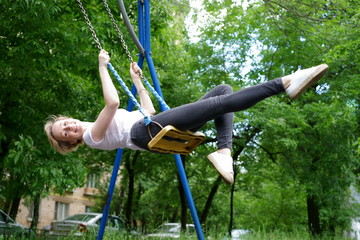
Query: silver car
[[172, 230], [85, 223]]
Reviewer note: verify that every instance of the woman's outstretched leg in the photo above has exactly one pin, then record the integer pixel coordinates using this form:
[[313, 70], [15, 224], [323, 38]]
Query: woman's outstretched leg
[[219, 108], [194, 115], [224, 128], [294, 84], [223, 123], [222, 159]]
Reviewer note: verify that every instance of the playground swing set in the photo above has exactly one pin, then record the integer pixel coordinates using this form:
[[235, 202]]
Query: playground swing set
[[169, 139]]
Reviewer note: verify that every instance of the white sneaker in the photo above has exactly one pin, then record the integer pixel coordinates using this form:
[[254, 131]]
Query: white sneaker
[[302, 79], [224, 165]]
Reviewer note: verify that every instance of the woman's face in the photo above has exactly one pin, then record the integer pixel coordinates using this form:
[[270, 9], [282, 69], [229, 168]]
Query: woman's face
[[68, 130]]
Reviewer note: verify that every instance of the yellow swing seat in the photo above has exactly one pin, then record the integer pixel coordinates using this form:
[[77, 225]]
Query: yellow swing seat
[[175, 141]]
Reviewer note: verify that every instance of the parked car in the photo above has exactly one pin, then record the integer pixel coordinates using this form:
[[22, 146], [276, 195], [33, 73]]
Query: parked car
[[9, 227], [85, 223], [171, 230], [239, 234]]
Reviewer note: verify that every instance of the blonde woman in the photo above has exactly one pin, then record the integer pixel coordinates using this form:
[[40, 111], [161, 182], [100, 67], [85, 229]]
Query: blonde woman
[[118, 128]]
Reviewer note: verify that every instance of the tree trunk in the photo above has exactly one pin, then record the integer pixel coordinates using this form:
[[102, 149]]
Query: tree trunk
[[7, 206], [129, 203], [14, 207], [119, 206], [4, 203], [231, 221], [331, 228], [136, 203], [35, 216], [209, 200], [313, 216]]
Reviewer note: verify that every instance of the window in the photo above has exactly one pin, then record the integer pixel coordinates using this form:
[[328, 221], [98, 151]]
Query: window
[[31, 211], [92, 180], [61, 210], [87, 209]]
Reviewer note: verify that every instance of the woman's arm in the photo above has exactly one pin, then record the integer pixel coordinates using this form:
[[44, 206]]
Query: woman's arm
[[145, 100], [111, 98]]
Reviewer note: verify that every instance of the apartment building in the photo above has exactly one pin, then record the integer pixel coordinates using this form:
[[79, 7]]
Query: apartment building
[[57, 207]]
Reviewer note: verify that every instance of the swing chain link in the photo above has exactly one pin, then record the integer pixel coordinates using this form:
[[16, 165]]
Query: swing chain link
[[123, 43], [87, 20], [157, 96]]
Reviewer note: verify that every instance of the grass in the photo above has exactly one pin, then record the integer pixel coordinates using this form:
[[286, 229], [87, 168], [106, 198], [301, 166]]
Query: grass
[[299, 235], [261, 235]]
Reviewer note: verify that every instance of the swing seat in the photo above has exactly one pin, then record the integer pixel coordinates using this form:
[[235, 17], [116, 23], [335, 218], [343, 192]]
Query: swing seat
[[175, 141]]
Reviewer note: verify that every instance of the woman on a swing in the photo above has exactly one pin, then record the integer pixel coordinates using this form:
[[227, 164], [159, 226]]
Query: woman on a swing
[[117, 128]]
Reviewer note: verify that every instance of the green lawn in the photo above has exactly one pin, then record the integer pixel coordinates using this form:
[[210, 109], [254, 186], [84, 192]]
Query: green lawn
[[275, 235]]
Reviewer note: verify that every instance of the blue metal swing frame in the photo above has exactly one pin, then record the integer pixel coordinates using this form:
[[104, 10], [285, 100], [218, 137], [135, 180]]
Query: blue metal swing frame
[[144, 37]]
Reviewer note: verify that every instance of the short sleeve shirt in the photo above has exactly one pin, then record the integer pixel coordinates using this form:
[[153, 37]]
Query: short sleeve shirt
[[118, 133]]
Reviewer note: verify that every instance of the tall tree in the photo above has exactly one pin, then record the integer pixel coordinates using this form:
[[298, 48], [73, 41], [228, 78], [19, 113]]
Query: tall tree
[[279, 37], [40, 76]]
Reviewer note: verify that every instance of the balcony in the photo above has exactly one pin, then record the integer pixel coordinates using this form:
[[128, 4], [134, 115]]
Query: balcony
[[89, 191]]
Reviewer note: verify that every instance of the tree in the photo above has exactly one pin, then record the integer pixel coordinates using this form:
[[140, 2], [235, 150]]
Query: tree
[[40, 71], [285, 36], [300, 156]]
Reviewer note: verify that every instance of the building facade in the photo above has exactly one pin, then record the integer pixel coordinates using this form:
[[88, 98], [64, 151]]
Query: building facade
[[57, 207]]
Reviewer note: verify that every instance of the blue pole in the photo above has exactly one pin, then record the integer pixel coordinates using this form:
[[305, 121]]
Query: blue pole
[[147, 47], [141, 61], [147, 25], [110, 193], [179, 164], [144, 36], [188, 195], [141, 23], [117, 164], [157, 87]]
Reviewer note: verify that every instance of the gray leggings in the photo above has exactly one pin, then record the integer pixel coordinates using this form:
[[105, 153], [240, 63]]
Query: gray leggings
[[219, 104]]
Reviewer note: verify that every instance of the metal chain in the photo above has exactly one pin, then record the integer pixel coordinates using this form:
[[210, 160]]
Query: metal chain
[[87, 20], [146, 118], [123, 43], [157, 96]]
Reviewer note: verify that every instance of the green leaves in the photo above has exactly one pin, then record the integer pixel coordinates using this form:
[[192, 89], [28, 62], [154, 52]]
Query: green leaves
[[289, 149], [21, 155]]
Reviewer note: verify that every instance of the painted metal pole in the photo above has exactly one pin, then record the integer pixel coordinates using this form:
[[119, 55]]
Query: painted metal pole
[[157, 87], [189, 197], [147, 45], [116, 167], [117, 163], [144, 36], [141, 23]]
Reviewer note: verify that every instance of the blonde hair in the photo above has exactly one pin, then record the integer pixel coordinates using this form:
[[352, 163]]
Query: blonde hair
[[62, 147]]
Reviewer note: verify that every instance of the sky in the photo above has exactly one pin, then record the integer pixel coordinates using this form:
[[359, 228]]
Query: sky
[[202, 18]]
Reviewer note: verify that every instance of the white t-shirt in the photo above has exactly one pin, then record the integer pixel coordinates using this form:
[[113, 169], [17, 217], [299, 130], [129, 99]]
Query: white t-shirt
[[118, 133]]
